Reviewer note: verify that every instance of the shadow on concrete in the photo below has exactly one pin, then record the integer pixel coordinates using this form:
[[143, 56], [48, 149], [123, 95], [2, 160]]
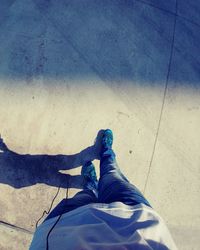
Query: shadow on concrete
[[23, 170], [114, 40]]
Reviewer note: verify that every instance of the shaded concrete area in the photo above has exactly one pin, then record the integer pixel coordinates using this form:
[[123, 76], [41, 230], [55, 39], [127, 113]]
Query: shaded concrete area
[[71, 68], [24, 170]]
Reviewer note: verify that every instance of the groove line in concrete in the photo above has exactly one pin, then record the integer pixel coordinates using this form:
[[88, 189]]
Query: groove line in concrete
[[156, 7], [163, 102], [17, 228], [169, 12]]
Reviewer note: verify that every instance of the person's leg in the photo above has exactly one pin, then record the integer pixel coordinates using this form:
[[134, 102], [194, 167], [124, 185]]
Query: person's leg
[[88, 195], [113, 185], [82, 198]]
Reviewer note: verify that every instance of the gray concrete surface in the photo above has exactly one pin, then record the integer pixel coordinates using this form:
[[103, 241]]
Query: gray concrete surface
[[71, 68]]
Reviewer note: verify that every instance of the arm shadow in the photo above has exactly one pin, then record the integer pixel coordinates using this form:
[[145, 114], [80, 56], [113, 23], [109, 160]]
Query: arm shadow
[[23, 170]]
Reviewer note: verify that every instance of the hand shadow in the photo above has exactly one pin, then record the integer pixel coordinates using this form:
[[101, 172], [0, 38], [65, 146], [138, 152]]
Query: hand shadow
[[23, 170]]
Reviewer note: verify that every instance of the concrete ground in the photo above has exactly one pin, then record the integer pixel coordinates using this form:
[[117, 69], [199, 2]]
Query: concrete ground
[[71, 68]]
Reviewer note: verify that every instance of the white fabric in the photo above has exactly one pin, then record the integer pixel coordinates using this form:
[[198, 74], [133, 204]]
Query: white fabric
[[105, 226]]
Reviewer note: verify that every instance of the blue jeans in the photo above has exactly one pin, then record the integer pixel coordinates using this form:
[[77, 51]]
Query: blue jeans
[[113, 186]]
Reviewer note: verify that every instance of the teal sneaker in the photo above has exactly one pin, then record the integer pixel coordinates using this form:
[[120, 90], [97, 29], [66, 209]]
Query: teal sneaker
[[89, 177], [107, 139]]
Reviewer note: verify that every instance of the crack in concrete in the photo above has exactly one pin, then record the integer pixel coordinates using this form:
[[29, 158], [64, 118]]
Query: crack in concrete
[[163, 102], [17, 228]]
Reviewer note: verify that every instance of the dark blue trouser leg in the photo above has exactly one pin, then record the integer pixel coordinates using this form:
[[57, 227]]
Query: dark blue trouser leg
[[82, 198], [114, 186]]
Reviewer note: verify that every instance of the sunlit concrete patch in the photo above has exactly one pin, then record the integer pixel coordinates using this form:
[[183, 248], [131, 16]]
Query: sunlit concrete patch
[[175, 170], [13, 238], [186, 237], [65, 119], [23, 207], [175, 177]]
